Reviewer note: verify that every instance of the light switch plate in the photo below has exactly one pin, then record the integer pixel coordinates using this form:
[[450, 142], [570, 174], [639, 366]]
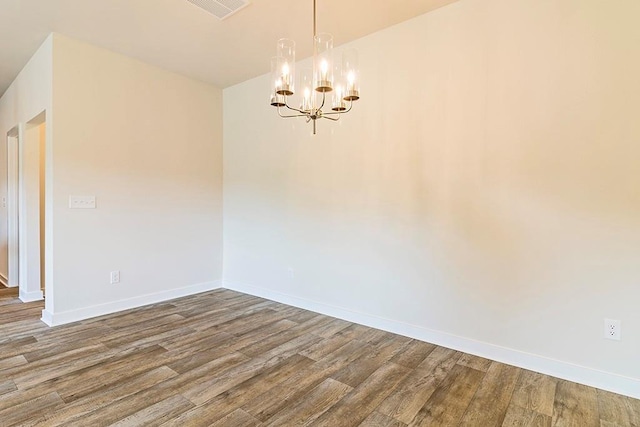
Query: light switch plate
[[82, 202]]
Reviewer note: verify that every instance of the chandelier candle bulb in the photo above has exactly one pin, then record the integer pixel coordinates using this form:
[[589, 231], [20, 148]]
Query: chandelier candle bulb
[[286, 78], [306, 83], [306, 100]]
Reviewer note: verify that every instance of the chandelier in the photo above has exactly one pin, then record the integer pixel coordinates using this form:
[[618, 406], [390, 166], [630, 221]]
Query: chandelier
[[328, 90]]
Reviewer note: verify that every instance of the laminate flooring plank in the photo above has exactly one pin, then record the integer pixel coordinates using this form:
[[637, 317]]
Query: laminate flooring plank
[[447, 404], [12, 362], [10, 343], [62, 364], [413, 353], [360, 369], [121, 408], [617, 409], [17, 414], [266, 330], [222, 404], [575, 405], [518, 416], [136, 332], [76, 411], [182, 342], [475, 362], [237, 418], [365, 334], [376, 419], [264, 406], [156, 337], [489, 405], [73, 332], [156, 414], [7, 387], [305, 316], [257, 320], [535, 391], [46, 347], [206, 321], [406, 400], [220, 383], [325, 347], [85, 381], [16, 327], [255, 348], [304, 411], [192, 358], [356, 406], [331, 328], [129, 318]]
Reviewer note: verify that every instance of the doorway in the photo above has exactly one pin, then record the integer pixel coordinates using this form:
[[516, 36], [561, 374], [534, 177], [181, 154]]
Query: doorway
[[26, 208]]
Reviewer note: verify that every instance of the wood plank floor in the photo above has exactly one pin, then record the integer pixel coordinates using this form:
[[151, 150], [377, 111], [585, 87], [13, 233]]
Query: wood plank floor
[[6, 292], [228, 359]]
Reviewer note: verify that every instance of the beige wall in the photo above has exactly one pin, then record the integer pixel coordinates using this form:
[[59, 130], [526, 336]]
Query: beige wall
[[148, 144], [484, 192]]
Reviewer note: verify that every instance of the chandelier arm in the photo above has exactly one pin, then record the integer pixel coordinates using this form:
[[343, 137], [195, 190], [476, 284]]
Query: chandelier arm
[[293, 109], [291, 116], [339, 112], [323, 100], [333, 119]]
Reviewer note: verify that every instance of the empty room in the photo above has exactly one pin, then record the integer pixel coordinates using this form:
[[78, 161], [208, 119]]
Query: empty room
[[241, 213]]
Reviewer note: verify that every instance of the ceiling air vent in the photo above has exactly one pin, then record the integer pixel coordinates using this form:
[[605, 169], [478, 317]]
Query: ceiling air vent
[[220, 8]]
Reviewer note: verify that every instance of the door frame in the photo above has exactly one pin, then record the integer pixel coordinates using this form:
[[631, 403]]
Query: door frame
[[13, 207]]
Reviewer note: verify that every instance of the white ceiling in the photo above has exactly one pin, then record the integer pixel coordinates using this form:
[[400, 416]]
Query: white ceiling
[[178, 36]]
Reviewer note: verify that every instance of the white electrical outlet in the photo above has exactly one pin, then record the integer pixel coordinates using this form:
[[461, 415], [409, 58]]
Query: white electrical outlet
[[292, 273], [612, 329], [115, 277]]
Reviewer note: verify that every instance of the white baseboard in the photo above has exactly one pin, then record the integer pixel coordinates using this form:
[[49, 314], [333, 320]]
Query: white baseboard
[[4, 280], [31, 296], [556, 368], [57, 319]]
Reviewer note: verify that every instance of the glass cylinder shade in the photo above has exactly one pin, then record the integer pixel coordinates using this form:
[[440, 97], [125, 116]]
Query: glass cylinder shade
[[338, 99], [284, 69], [306, 85], [351, 75], [276, 99], [323, 62]]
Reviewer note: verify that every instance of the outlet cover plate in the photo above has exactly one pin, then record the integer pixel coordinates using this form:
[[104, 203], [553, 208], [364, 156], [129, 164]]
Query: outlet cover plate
[[115, 277], [612, 329], [82, 202]]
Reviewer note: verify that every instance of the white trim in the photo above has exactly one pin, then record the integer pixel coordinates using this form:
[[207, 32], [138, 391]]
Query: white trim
[[13, 255], [23, 263], [47, 318], [31, 296], [580, 374], [4, 280], [56, 319]]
